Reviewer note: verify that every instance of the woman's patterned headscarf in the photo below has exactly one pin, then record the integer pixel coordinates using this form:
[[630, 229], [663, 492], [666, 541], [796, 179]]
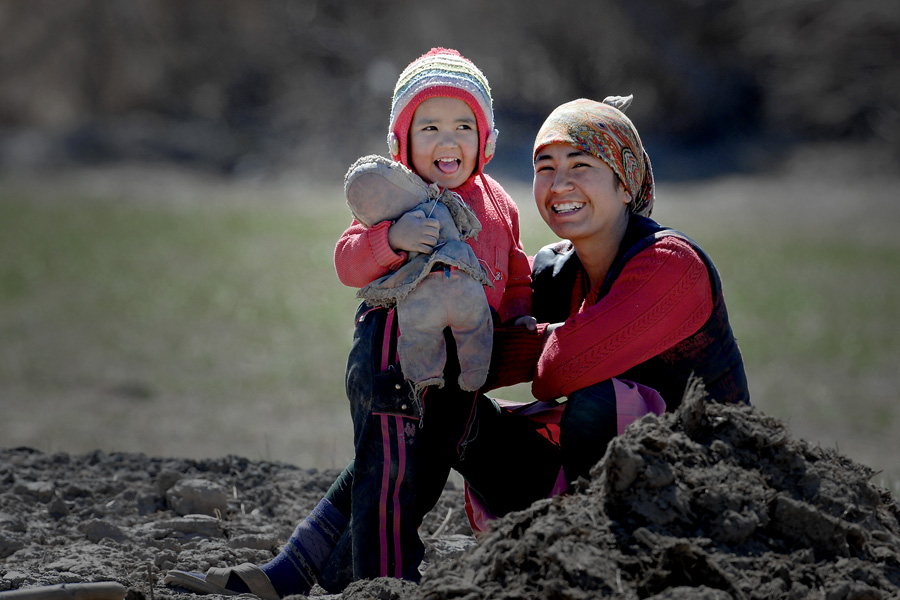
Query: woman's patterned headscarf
[[602, 129]]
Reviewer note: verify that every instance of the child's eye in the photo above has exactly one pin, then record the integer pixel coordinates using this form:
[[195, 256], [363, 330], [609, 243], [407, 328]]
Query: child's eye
[[542, 168]]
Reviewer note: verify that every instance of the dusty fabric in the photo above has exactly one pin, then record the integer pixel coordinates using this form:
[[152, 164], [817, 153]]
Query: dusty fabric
[[445, 299], [362, 254], [450, 251]]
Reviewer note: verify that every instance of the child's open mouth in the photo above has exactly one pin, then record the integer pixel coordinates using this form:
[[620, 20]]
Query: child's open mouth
[[448, 165], [567, 207]]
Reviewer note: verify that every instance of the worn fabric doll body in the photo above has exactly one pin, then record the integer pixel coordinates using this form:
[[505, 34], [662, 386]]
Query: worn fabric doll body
[[430, 291]]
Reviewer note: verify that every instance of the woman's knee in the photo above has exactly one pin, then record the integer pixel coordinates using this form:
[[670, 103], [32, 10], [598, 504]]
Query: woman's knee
[[588, 424], [590, 412]]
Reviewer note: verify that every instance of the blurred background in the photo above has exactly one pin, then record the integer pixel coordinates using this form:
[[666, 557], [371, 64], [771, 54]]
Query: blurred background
[[170, 195], [242, 88]]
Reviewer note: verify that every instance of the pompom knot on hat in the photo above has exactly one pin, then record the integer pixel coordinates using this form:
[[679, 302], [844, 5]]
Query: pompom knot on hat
[[441, 72]]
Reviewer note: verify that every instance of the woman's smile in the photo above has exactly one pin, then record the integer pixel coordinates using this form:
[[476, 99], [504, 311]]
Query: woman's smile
[[567, 207], [577, 193]]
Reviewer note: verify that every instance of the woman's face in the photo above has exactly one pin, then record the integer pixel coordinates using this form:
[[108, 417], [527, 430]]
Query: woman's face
[[577, 194]]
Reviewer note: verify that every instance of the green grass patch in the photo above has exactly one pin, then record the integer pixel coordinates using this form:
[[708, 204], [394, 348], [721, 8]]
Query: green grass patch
[[246, 295], [814, 299], [213, 325], [199, 308]]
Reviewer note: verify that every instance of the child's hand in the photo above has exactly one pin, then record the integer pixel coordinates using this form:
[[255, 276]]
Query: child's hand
[[528, 322], [414, 232]]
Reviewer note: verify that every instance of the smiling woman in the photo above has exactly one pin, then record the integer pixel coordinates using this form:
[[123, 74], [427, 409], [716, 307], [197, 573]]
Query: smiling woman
[[639, 300], [630, 313]]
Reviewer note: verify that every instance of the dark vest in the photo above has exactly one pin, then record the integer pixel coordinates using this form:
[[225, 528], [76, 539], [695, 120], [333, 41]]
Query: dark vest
[[711, 353]]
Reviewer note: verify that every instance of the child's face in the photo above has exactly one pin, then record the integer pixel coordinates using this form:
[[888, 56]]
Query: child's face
[[443, 141]]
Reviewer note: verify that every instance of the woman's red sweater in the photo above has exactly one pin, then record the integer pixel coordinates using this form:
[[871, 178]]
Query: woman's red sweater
[[662, 296]]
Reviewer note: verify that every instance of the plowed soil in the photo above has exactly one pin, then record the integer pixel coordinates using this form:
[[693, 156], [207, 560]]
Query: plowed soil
[[710, 502]]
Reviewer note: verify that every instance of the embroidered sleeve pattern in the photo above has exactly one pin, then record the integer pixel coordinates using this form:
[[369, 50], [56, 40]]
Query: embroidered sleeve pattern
[[661, 297]]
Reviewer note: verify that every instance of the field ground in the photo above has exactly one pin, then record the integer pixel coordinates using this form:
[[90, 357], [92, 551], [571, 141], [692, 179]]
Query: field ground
[[157, 311]]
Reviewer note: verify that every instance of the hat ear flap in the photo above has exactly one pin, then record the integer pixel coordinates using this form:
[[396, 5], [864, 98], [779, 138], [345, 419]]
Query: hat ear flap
[[490, 145], [393, 144]]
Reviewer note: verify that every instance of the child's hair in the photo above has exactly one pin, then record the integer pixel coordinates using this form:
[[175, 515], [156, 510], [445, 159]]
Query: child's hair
[[446, 73]]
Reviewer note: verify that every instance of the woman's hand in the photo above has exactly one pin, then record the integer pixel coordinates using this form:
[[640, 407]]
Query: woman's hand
[[414, 232]]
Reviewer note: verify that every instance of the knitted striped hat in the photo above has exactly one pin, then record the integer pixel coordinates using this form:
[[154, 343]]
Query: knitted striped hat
[[446, 73]]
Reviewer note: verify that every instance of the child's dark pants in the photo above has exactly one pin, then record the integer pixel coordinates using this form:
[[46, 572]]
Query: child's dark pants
[[405, 448], [508, 460]]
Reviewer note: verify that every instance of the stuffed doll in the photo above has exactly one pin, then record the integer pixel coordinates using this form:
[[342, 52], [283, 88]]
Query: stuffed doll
[[430, 291]]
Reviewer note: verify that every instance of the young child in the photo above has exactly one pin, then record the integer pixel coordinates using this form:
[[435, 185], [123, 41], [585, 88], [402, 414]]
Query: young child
[[442, 128]]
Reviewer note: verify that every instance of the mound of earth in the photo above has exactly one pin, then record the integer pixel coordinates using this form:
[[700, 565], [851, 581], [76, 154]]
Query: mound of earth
[[711, 502]]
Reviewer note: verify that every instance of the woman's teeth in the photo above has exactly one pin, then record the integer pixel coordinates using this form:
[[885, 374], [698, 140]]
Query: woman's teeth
[[565, 207]]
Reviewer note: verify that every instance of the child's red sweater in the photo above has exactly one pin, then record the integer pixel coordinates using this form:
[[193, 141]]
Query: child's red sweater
[[362, 254]]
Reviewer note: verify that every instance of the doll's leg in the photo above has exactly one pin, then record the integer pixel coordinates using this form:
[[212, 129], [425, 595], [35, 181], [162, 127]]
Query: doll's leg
[[445, 298], [422, 317], [472, 326]]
